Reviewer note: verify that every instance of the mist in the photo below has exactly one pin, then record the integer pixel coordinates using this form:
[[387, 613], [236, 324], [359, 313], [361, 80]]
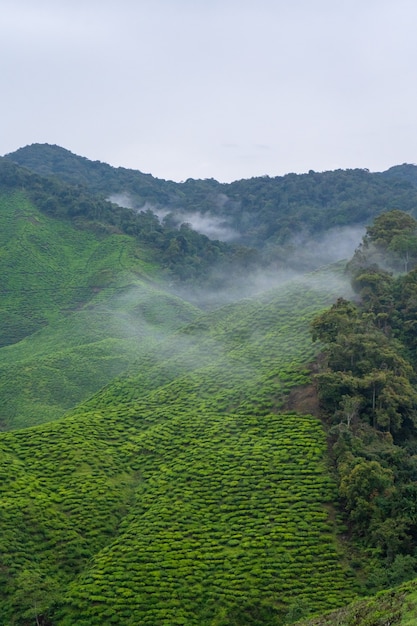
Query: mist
[[301, 259], [183, 344], [136, 326], [204, 223], [209, 225], [308, 252], [122, 199], [295, 260]]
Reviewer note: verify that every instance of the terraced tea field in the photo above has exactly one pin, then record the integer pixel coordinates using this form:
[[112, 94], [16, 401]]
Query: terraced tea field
[[208, 513], [76, 309], [241, 358], [229, 513], [184, 492]]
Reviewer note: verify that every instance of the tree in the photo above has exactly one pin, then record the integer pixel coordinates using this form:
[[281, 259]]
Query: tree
[[35, 593], [361, 486], [388, 226], [389, 243], [404, 247], [349, 409], [375, 287], [338, 319]]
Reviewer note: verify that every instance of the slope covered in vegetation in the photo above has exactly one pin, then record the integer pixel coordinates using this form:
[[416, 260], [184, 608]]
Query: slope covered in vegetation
[[76, 308], [264, 212], [367, 388], [184, 493], [182, 254], [192, 483], [396, 607]]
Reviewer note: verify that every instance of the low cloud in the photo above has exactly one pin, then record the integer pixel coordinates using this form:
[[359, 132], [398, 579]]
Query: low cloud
[[299, 260], [308, 252], [205, 224], [122, 199], [303, 254], [209, 225]]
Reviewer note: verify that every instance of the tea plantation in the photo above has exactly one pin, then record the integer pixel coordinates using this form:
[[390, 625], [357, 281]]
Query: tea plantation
[[75, 311], [166, 460], [184, 492], [396, 607]]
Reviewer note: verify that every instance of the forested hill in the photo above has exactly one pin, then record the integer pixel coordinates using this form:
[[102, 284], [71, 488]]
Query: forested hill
[[406, 171], [183, 254], [262, 212]]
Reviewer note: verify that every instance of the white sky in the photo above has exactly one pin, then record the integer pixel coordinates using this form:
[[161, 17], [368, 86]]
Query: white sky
[[221, 89]]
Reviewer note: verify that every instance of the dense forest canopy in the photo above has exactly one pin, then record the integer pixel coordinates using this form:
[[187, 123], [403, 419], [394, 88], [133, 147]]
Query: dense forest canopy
[[367, 388], [264, 212]]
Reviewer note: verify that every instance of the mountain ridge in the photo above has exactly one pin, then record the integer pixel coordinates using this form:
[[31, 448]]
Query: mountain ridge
[[54, 152], [261, 212]]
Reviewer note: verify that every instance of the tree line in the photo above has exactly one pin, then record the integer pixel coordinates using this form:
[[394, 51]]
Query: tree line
[[367, 389]]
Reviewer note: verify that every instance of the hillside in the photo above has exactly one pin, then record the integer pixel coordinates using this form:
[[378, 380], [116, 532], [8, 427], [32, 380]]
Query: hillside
[[84, 291], [284, 217], [396, 607], [180, 450], [182, 255], [76, 310], [186, 481]]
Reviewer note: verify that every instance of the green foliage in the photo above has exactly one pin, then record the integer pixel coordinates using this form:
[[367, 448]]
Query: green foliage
[[404, 317], [397, 607], [391, 242], [363, 362], [264, 213], [77, 310], [386, 228], [367, 387], [182, 493], [361, 488], [34, 595], [224, 515], [188, 491], [185, 255]]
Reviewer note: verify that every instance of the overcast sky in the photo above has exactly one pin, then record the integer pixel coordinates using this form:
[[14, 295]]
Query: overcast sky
[[221, 89]]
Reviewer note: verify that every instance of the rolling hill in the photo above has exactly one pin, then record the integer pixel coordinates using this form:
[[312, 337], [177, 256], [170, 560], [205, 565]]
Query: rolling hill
[[167, 460], [76, 309], [188, 481], [397, 607]]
